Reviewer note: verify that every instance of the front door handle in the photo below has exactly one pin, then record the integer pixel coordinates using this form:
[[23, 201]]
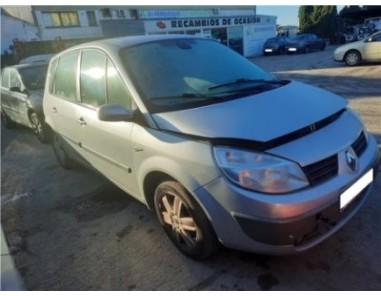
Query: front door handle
[[81, 121], [54, 110]]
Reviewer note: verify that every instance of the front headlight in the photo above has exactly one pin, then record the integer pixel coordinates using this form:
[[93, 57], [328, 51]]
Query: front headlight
[[259, 171]]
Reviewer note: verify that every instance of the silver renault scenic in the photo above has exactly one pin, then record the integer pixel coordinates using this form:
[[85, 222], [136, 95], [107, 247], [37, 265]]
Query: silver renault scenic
[[223, 151]]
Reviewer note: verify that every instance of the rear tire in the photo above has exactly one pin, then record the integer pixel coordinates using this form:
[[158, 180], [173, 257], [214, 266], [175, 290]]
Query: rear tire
[[61, 154], [184, 221], [39, 128]]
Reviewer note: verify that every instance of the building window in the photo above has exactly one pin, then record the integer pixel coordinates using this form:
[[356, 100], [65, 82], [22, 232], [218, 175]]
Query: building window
[[60, 19], [91, 18], [106, 12]]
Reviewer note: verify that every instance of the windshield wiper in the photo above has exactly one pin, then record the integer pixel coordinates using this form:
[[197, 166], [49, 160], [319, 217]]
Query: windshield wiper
[[185, 96], [246, 80]]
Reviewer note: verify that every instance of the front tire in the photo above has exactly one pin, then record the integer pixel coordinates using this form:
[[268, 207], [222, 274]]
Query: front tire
[[352, 58], [184, 221]]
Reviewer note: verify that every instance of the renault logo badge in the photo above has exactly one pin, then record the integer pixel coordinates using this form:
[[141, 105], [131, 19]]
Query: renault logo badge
[[351, 160]]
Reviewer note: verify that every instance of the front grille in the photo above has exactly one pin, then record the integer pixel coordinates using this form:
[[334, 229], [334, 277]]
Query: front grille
[[360, 144], [322, 170], [327, 168]]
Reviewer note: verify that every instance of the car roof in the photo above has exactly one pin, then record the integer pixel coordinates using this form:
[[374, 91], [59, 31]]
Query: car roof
[[39, 58], [23, 66], [115, 44]]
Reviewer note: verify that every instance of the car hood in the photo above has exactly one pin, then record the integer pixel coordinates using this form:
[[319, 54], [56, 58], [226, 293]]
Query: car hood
[[351, 45], [261, 117]]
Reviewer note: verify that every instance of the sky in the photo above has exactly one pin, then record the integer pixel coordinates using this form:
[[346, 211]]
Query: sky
[[287, 14]]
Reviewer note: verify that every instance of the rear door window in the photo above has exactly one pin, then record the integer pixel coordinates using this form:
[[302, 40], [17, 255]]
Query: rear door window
[[52, 71]]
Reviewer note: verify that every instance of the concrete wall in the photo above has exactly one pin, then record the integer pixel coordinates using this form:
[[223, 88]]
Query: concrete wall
[[255, 37], [12, 28]]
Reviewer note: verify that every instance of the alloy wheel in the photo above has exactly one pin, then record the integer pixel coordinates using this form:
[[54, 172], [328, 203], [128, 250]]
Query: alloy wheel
[[352, 58], [177, 216], [37, 127], [184, 221]]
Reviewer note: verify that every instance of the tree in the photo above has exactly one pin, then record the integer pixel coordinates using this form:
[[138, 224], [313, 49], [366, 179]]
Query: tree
[[305, 12], [350, 8], [317, 19]]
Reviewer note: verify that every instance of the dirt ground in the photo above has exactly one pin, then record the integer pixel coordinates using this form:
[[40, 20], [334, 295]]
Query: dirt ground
[[74, 230]]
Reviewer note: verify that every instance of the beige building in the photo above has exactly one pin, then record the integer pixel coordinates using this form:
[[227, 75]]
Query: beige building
[[238, 27]]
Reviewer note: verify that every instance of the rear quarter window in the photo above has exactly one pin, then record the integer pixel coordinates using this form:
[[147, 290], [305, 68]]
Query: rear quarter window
[[5, 78], [52, 72], [64, 85]]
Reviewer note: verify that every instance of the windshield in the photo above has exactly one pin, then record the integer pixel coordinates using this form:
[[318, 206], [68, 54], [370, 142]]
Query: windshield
[[34, 77], [185, 73]]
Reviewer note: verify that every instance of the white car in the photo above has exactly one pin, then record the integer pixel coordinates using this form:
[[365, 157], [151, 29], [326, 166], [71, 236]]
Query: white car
[[354, 53]]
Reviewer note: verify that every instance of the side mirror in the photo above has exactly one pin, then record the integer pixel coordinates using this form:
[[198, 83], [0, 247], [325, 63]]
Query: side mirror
[[370, 39], [113, 113]]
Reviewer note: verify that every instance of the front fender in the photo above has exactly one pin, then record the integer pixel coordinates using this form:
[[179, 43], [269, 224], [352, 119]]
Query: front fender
[[186, 160]]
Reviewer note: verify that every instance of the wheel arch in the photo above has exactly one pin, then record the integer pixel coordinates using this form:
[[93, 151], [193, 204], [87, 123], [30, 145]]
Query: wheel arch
[[151, 181], [155, 177], [154, 169]]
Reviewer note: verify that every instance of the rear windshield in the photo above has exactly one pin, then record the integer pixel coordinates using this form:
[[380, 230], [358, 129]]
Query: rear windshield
[[34, 77]]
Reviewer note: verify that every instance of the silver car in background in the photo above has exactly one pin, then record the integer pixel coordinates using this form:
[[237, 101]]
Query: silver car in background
[[367, 50], [22, 89], [220, 149]]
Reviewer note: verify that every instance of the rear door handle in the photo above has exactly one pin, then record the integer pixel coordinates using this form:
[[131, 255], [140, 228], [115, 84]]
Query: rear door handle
[[81, 121]]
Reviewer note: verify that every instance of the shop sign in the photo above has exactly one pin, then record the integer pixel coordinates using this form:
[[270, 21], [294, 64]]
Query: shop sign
[[177, 24], [196, 23]]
